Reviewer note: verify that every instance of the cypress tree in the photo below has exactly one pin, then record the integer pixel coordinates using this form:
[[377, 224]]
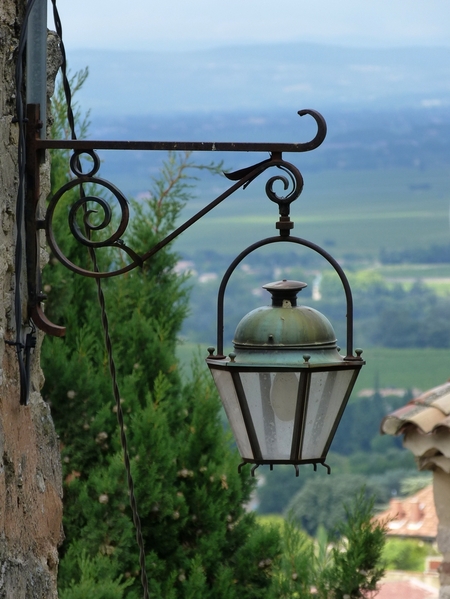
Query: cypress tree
[[200, 541]]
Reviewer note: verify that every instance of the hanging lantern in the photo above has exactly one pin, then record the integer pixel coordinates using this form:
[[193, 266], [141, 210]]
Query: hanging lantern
[[285, 386]]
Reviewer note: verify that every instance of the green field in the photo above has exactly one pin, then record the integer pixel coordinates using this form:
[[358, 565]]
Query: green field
[[349, 212], [404, 369]]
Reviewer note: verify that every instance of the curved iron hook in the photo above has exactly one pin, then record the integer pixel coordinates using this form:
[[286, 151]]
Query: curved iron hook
[[302, 147], [321, 130]]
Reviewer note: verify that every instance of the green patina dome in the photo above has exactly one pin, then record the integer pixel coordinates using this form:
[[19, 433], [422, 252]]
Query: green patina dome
[[284, 324]]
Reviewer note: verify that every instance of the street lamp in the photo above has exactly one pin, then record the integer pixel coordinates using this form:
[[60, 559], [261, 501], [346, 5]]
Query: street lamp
[[285, 386]]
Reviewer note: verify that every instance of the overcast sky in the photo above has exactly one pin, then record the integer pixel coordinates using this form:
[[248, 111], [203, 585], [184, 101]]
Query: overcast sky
[[190, 24]]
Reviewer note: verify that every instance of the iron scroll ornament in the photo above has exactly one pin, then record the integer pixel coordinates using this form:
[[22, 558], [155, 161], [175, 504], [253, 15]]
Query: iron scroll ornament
[[291, 179]]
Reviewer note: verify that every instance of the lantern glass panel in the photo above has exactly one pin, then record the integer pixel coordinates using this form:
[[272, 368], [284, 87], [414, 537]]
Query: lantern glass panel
[[227, 392], [272, 399], [327, 392]]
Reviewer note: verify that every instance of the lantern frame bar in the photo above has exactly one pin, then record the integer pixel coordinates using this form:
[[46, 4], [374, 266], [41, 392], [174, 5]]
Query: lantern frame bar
[[246, 416], [304, 366], [342, 408], [300, 413]]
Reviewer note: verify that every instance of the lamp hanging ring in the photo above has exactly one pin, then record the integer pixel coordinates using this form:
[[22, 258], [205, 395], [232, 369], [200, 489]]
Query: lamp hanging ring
[[297, 240], [75, 163]]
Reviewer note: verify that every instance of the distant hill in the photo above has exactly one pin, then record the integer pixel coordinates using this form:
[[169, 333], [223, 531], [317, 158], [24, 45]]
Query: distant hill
[[357, 139], [265, 77]]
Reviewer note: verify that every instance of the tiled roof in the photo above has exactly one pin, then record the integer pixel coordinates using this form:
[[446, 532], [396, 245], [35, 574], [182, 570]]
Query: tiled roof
[[413, 516], [425, 424]]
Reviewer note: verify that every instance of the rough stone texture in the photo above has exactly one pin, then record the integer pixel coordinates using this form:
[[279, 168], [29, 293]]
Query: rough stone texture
[[441, 484], [444, 592], [30, 473]]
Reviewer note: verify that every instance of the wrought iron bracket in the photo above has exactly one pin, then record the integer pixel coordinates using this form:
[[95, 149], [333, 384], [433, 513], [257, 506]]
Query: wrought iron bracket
[[291, 180]]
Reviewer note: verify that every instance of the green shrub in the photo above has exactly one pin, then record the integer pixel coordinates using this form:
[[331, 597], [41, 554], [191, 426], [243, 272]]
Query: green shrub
[[406, 554], [357, 563], [350, 568]]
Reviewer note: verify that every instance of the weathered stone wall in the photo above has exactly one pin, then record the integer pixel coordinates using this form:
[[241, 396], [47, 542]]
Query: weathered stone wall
[[441, 487], [30, 473]]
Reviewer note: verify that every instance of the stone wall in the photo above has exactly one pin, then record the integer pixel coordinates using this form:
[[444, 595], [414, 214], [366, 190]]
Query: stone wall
[[441, 481], [30, 472]]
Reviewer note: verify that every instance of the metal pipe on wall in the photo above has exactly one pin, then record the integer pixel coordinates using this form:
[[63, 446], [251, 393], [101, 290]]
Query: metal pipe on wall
[[36, 65]]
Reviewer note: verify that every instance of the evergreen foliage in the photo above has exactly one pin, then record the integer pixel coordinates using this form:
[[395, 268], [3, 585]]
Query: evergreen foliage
[[200, 541], [295, 572], [95, 580], [348, 569], [356, 567]]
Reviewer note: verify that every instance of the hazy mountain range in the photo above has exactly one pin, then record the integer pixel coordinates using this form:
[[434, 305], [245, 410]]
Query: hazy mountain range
[[262, 78]]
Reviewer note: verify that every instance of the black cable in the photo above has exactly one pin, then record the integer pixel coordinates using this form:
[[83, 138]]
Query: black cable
[[123, 437], [66, 83]]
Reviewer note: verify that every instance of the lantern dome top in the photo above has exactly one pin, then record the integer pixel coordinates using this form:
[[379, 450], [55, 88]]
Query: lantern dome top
[[284, 291], [284, 325]]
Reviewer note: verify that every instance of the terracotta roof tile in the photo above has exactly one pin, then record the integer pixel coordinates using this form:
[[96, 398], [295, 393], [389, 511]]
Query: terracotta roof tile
[[442, 403], [436, 443], [445, 423], [434, 462], [413, 516], [427, 412]]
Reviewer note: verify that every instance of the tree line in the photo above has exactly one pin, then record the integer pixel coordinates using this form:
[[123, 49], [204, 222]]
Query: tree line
[[386, 314], [433, 254]]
